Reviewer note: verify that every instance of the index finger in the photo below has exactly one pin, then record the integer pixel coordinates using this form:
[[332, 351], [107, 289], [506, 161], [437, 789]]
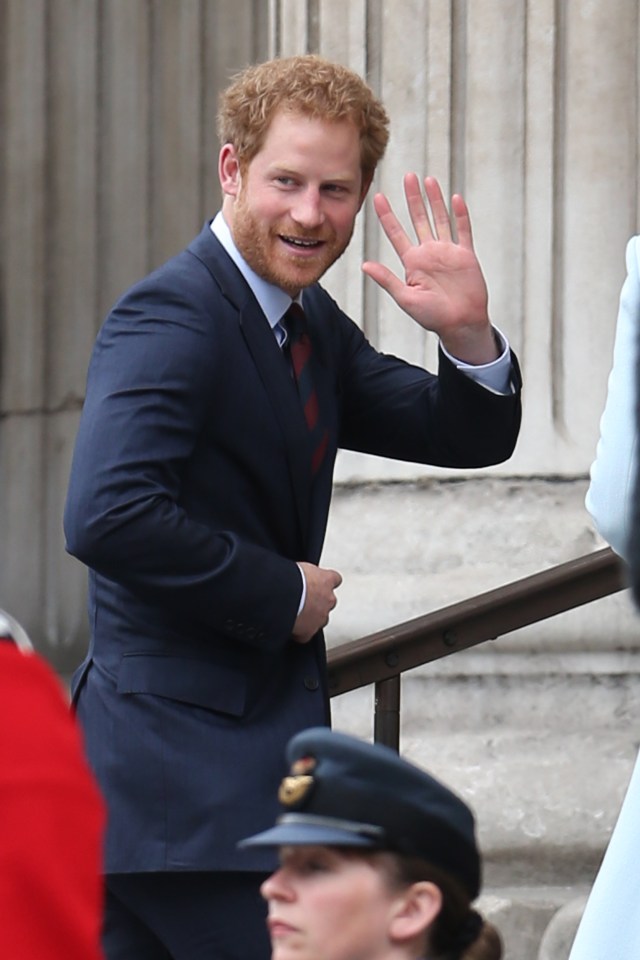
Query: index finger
[[391, 225]]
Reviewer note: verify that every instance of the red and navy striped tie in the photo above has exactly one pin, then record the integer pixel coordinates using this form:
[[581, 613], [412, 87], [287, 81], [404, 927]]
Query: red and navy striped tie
[[300, 350]]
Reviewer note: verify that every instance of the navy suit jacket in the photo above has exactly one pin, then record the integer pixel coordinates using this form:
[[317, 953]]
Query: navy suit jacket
[[191, 500]]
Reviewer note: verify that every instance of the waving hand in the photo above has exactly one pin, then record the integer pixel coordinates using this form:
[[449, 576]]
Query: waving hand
[[443, 288]]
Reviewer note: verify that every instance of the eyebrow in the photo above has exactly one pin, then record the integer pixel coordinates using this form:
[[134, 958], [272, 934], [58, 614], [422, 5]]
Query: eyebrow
[[279, 170]]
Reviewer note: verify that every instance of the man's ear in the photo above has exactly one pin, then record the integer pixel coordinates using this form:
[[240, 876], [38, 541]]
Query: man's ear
[[229, 170], [415, 910]]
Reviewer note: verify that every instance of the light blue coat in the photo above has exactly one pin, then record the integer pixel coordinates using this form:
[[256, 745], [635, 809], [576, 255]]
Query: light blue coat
[[609, 497], [610, 926]]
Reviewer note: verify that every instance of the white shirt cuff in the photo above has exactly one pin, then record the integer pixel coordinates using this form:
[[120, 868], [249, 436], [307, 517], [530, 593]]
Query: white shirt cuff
[[494, 376], [304, 591]]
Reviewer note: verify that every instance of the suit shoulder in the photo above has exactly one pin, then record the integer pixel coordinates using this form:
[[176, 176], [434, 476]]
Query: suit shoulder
[[182, 286], [184, 297]]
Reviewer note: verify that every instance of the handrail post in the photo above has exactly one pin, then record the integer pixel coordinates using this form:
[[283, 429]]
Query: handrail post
[[386, 723]]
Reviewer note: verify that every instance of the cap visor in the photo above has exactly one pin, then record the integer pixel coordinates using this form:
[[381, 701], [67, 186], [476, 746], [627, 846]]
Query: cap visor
[[306, 834]]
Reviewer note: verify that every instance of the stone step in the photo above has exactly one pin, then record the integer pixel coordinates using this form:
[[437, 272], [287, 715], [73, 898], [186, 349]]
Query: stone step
[[536, 923], [546, 801]]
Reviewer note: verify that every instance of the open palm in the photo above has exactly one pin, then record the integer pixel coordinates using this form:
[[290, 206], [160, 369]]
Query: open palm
[[443, 287]]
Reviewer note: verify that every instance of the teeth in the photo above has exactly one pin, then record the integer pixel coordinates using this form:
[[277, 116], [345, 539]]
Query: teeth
[[301, 243]]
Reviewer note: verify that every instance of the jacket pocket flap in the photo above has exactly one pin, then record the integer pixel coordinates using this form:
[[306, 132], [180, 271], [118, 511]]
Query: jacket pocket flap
[[201, 683]]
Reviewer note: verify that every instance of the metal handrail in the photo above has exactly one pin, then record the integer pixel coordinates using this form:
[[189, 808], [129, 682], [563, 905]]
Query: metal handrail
[[380, 658]]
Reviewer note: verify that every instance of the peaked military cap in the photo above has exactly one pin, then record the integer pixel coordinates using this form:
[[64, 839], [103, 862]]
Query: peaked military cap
[[342, 791]]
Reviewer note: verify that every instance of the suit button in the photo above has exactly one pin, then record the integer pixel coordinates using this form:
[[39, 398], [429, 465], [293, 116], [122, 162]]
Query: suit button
[[311, 683], [229, 626]]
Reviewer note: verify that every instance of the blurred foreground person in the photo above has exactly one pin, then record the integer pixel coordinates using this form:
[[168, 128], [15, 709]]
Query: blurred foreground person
[[378, 860], [610, 925], [51, 816]]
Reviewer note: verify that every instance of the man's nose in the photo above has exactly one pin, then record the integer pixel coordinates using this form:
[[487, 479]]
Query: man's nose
[[307, 210]]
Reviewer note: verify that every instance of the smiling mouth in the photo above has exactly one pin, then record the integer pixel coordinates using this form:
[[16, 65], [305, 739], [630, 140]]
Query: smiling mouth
[[301, 243]]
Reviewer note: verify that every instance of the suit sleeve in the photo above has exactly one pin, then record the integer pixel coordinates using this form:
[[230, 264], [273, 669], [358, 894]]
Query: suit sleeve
[[150, 389], [395, 409]]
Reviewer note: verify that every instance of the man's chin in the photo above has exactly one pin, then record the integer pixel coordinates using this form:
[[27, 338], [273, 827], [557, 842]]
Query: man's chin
[[294, 280], [312, 269]]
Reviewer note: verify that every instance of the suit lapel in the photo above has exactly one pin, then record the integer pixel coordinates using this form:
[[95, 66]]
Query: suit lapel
[[270, 365], [280, 388], [324, 378]]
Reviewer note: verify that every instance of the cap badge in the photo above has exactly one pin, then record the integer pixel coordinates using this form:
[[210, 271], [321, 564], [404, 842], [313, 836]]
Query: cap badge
[[293, 790], [295, 787]]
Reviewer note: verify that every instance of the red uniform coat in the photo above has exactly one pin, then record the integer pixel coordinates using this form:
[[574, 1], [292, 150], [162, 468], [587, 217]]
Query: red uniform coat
[[51, 820]]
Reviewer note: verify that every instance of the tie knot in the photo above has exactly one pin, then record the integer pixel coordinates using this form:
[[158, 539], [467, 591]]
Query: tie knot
[[295, 321]]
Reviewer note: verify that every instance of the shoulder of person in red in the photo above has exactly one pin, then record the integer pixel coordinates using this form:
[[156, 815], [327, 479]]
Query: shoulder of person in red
[[52, 821]]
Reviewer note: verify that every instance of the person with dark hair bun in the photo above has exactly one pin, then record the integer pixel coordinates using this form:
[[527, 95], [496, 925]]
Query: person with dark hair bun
[[378, 859]]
